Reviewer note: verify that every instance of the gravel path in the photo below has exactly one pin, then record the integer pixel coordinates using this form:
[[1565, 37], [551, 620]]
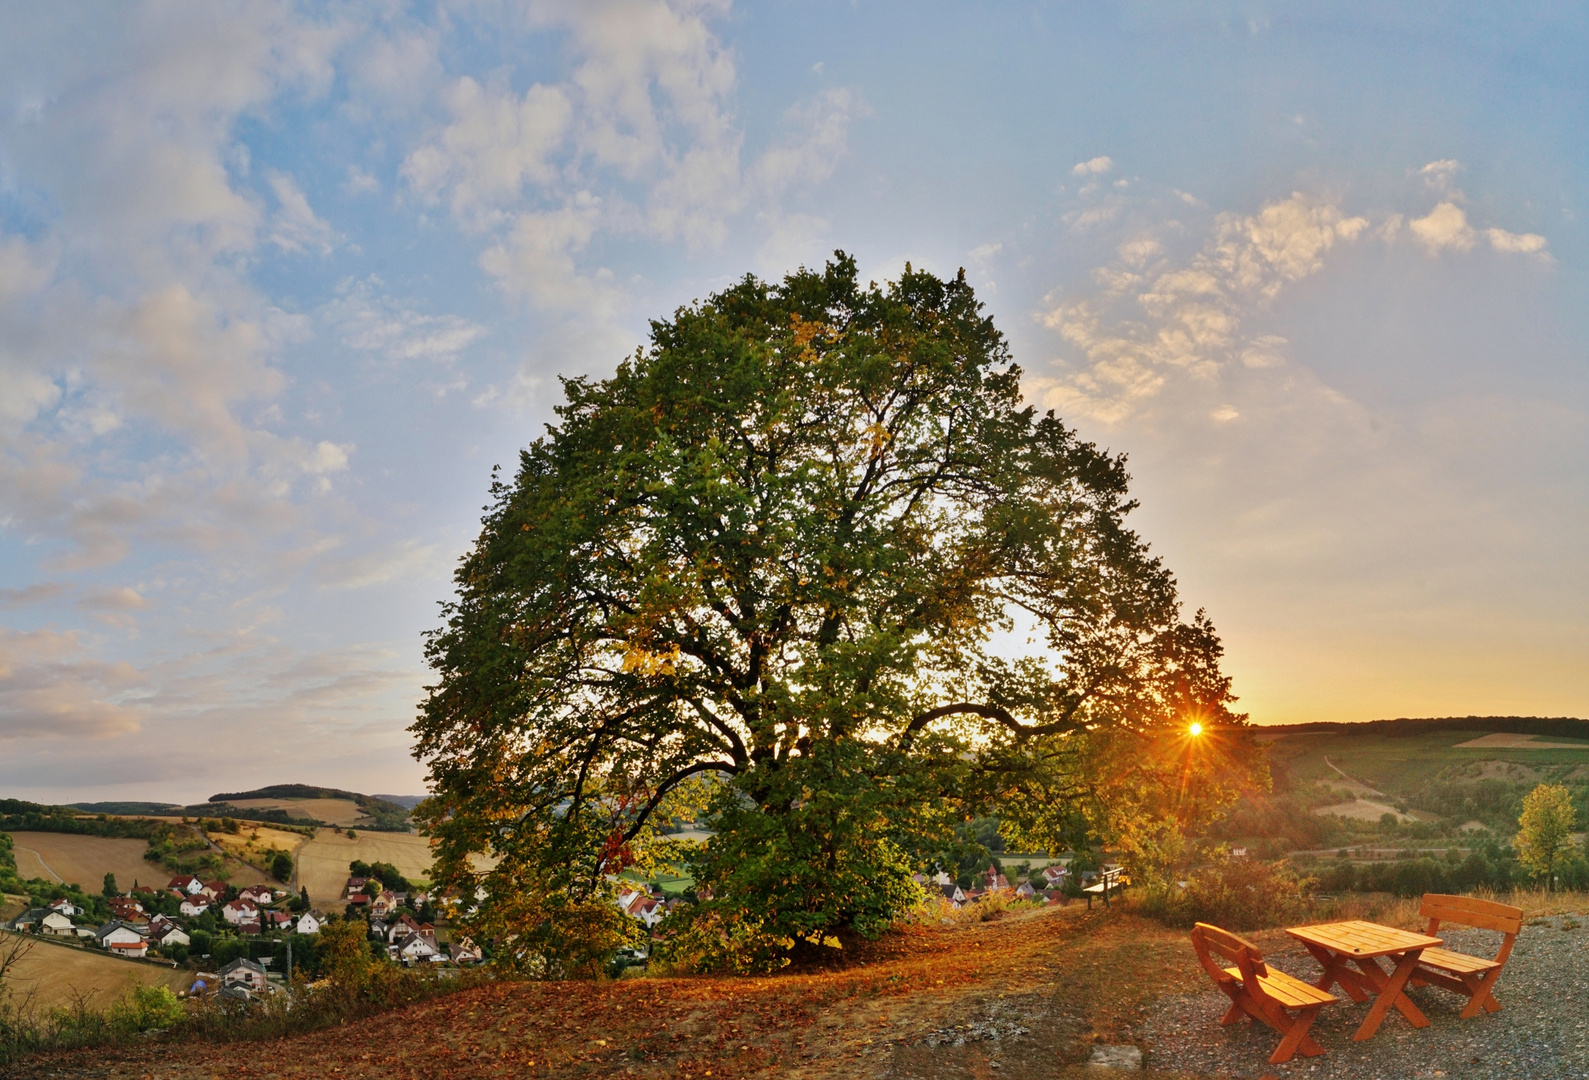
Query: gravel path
[[1541, 1031]]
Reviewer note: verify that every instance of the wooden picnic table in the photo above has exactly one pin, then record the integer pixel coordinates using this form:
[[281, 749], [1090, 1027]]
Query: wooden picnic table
[[1335, 945]]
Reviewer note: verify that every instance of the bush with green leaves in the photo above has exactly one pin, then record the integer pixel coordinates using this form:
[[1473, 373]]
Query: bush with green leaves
[[145, 1008], [1235, 893]]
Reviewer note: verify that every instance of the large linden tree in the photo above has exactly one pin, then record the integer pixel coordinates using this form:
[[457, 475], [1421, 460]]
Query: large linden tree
[[806, 567]]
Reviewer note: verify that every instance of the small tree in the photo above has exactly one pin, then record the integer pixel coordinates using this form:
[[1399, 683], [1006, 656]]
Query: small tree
[[1544, 831], [109, 889], [281, 866]]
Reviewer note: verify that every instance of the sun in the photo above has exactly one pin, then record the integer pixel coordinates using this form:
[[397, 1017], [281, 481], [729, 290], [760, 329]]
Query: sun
[[1196, 728]]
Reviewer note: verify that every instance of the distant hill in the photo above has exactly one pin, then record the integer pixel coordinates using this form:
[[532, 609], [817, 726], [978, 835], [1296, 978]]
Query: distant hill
[[128, 809], [1565, 727], [384, 813], [288, 791], [408, 802]]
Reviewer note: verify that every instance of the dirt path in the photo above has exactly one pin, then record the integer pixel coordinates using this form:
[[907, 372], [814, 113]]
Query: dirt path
[[1368, 787], [59, 880]]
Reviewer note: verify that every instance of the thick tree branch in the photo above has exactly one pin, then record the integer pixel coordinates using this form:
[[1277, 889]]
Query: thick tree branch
[[668, 785], [987, 712]]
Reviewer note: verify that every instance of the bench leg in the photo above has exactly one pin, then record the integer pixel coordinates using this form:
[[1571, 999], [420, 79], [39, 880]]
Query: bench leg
[[1296, 1038], [1233, 1013], [1482, 997]]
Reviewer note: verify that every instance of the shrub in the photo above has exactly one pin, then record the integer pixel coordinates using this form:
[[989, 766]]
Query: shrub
[[1236, 894], [143, 1008]]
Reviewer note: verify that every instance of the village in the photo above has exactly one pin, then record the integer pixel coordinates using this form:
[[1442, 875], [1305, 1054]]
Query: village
[[246, 935], [649, 903]]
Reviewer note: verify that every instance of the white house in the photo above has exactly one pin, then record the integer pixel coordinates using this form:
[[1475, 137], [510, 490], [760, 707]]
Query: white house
[[185, 883], [256, 894], [169, 935], [417, 948], [117, 932], [1055, 875], [240, 911], [464, 951], [244, 973], [66, 907], [310, 922], [57, 925], [193, 908]]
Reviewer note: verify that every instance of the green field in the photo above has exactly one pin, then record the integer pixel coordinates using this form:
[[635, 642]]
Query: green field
[[1401, 764]]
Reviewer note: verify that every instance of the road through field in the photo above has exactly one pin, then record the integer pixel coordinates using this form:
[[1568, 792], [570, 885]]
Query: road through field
[[85, 860], [23, 870]]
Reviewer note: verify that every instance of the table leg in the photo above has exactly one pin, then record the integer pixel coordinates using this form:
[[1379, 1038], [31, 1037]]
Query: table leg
[[1336, 971], [1391, 994], [1404, 1005]]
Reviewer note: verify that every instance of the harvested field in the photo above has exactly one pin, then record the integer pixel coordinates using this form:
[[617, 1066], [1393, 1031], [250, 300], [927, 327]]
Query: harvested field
[[1363, 810], [84, 860], [343, 812], [323, 861], [257, 845], [1510, 741], [54, 974]]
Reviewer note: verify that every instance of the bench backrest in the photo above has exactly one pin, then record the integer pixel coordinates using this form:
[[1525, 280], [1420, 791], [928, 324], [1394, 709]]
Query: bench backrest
[[1470, 911], [1210, 941]]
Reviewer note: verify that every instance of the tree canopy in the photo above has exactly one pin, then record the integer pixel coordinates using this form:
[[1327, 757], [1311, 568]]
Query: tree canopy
[[808, 565], [1544, 830]]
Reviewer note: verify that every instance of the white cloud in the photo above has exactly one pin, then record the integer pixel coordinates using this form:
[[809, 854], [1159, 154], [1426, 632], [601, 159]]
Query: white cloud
[[114, 607], [51, 687], [1093, 167], [818, 140], [1444, 227], [39, 593], [1186, 320], [496, 142], [639, 138], [536, 260], [360, 182], [1519, 243], [374, 323], [1441, 175], [295, 226], [404, 560]]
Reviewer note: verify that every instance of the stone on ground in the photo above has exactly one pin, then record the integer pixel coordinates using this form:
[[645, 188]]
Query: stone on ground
[[1115, 1057]]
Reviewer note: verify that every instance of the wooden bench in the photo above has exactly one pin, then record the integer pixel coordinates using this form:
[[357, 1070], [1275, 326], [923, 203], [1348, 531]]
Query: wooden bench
[[1111, 878], [1260, 992], [1471, 976]]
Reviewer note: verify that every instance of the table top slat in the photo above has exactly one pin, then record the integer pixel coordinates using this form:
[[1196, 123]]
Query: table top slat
[[1355, 937]]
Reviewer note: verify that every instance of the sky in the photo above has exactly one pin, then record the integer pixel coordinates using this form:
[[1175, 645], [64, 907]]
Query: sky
[[281, 283]]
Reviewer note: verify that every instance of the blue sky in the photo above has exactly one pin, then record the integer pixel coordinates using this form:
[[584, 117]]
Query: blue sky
[[279, 284]]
